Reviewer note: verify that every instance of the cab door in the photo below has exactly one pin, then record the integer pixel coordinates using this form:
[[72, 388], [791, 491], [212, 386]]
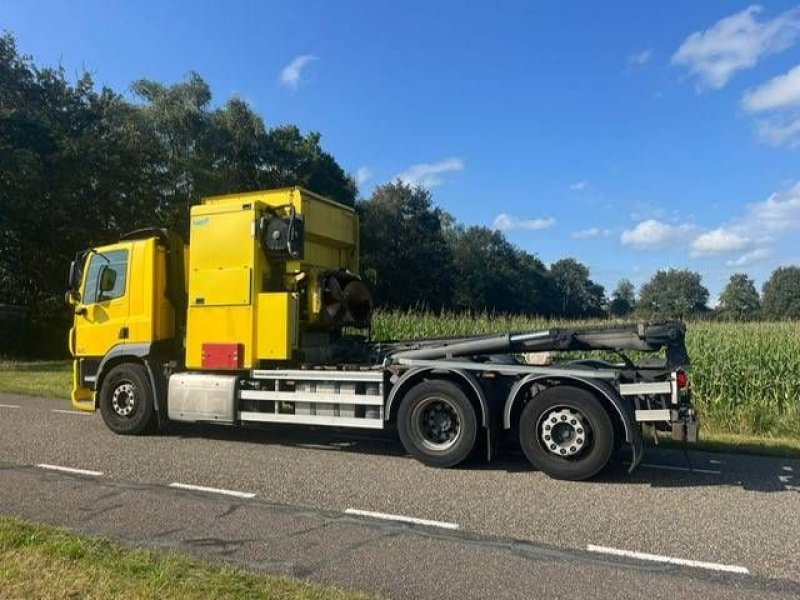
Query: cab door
[[101, 320]]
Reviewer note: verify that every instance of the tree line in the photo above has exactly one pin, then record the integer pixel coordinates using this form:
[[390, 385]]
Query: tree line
[[80, 165], [416, 255]]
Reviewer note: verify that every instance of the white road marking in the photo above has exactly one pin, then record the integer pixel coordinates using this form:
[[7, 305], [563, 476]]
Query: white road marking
[[668, 559], [401, 518], [70, 470], [80, 413], [9, 405], [676, 468], [202, 488]]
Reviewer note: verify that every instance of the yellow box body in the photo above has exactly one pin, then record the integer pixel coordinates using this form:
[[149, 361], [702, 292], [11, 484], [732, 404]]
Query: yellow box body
[[230, 300]]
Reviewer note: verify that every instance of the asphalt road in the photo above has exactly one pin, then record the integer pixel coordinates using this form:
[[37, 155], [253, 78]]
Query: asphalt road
[[501, 529]]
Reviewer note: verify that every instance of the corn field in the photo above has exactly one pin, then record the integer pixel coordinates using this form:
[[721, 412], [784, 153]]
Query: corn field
[[745, 377]]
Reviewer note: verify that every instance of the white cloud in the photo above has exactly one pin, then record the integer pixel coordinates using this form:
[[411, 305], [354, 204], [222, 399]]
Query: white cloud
[[779, 92], [654, 234], [640, 58], [590, 234], [780, 212], [506, 222], [778, 132], [749, 258], [578, 186], [429, 174], [363, 175], [291, 73], [735, 43], [719, 241]]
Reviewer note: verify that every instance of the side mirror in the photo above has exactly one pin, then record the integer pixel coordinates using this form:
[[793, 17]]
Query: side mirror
[[74, 279], [73, 298], [107, 279]]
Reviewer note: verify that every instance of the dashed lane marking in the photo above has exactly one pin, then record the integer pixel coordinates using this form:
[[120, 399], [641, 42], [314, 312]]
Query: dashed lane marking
[[70, 470], [683, 562], [212, 490], [401, 518]]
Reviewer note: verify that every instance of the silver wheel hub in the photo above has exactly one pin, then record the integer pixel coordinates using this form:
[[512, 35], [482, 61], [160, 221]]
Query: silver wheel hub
[[437, 423], [123, 400], [563, 431]]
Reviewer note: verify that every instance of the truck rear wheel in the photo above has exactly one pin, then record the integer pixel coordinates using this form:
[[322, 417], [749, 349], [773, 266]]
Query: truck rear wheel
[[437, 423], [566, 433], [126, 400]]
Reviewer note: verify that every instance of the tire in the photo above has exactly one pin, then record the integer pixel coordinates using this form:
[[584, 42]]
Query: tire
[[126, 400], [582, 439], [437, 424]]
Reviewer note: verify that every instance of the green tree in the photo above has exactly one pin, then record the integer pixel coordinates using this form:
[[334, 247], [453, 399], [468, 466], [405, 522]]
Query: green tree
[[674, 294], [623, 299], [73, 172], [404, 255], [781, 298], [228, 149], [493, 275], [295, 159], [739, 300], [575, 295]]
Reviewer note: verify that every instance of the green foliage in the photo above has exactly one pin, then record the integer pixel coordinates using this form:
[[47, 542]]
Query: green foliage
[[575, 295], [673, 294], [739, 300], [404, 255], [203, 152], [782, 294], [623, 300], [491, 274]]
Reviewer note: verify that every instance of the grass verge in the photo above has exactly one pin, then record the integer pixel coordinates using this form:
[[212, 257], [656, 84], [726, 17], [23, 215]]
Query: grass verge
[[39, 378], [44, 562]]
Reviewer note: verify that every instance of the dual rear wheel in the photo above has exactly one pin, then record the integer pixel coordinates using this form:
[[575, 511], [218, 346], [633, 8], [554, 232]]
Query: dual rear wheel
[[564, 431]]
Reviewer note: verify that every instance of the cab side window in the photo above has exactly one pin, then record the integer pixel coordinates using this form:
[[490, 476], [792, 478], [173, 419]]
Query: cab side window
[[105, 277]]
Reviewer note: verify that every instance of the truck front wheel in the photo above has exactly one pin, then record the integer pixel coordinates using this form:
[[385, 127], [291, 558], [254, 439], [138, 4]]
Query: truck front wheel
[[437, 423], [566, 433], [126, 400]]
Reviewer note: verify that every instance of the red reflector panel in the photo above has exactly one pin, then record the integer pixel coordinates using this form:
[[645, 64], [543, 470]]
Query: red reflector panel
[[682, 379], [222, 356]]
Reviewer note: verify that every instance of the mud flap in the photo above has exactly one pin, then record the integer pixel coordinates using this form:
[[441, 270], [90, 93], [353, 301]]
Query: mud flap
[[637, 448], [637, 454]]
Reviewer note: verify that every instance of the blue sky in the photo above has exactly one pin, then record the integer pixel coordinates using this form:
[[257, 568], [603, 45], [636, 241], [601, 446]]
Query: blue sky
[[632, 136]]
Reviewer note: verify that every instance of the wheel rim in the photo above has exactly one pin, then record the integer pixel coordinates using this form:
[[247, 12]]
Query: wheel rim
[[564, 431], [436, 422], [123, 399]]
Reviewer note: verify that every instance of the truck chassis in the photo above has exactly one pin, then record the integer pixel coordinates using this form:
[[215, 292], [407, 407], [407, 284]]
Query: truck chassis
[[446, 398]]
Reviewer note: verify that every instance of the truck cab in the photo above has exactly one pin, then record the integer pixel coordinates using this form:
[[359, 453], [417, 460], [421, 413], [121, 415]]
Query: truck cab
[[120, 297]]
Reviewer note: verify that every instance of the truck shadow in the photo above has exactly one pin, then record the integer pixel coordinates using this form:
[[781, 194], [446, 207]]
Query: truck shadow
[[661, 467]]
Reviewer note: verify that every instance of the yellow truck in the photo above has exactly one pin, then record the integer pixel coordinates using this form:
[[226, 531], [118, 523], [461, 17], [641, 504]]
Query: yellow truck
[[263, 318]]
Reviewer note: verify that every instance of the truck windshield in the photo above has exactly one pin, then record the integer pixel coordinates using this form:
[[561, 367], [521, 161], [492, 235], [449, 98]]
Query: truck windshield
[[116, 261]]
